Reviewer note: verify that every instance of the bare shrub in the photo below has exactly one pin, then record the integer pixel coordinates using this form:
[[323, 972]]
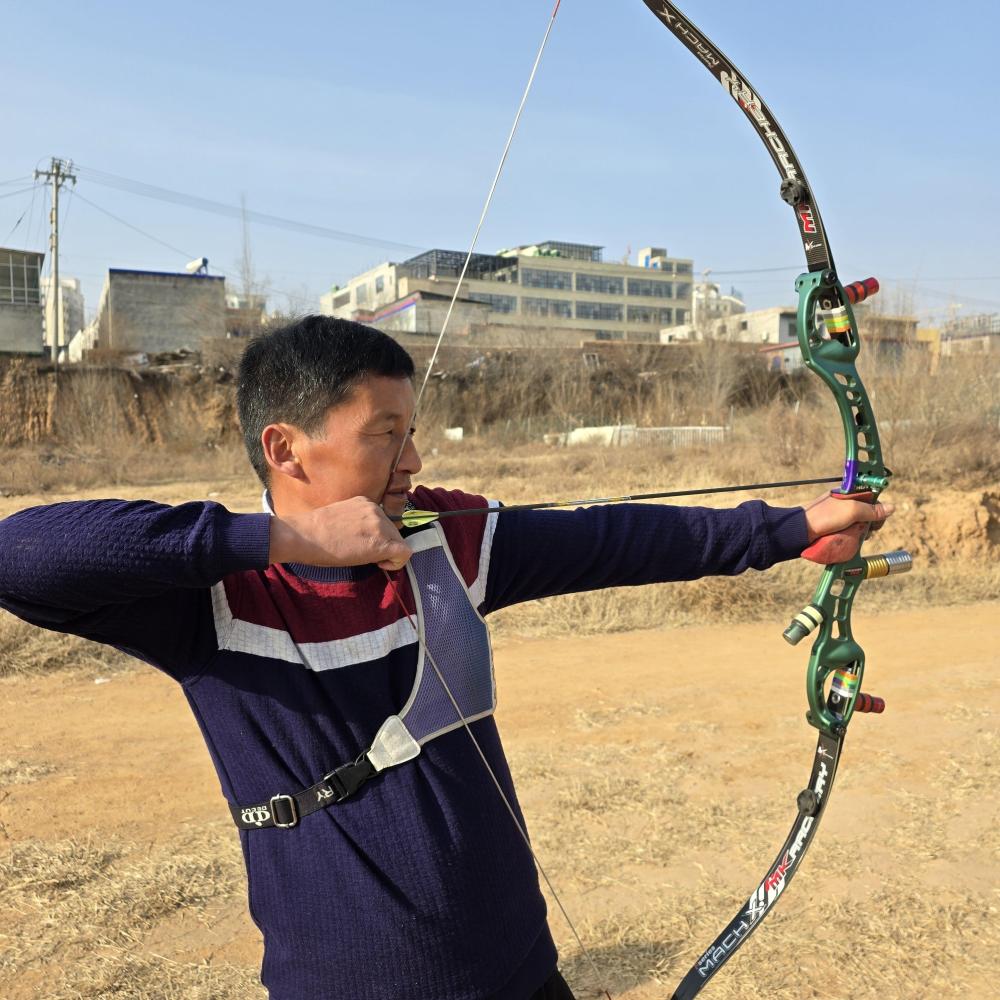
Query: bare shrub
[[29, 650]]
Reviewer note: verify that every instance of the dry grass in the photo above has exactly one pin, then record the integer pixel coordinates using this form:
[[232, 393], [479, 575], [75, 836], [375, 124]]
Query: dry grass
[[25, 649], [77, 913], [632, 829], [22, 772], [775, 442], [632, 847], [634, 833], [105, 425]]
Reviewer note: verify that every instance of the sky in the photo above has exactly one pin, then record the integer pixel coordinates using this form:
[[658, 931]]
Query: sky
[[384, 120]]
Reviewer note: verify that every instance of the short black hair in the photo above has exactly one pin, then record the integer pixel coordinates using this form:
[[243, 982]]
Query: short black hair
[[295, 372]]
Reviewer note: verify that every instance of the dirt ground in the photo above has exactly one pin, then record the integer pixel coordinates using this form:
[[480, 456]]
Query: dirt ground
[[658, 771]]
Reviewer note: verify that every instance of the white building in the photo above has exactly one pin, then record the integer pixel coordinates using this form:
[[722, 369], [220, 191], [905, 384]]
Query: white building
[[542, 295], [709, 304], [71, 310], [772, 330]]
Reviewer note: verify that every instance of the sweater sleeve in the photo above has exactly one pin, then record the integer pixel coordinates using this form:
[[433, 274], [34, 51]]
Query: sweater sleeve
[[542, 553], [132, 574]]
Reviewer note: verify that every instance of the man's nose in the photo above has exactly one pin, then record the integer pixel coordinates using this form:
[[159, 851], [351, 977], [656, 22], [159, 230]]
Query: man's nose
[[409, 461]]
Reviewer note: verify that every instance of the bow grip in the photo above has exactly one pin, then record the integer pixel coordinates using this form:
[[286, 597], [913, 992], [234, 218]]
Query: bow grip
[[843, 545]]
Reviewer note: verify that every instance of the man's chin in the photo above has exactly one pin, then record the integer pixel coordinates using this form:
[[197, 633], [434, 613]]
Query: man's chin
[[394, 504]]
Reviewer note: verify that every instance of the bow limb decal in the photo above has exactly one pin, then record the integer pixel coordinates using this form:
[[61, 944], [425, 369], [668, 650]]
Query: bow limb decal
[[828, 340]]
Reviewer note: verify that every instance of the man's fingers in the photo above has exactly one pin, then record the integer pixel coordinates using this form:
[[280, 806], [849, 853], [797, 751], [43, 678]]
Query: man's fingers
[[394, 555], [879, 511]]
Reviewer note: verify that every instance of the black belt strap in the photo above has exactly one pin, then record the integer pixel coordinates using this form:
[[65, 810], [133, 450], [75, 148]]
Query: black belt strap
[[285, 811]]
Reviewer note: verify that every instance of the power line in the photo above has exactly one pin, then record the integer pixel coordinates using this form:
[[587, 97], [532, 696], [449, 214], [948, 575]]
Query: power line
[[941, 294], [235, 212], [979, 277], [756, 270], [12, 194], [136, 229], [20, 218], [183, 253]]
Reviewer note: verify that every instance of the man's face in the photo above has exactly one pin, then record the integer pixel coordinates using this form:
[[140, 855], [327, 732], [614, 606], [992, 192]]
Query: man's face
[[354, 453]]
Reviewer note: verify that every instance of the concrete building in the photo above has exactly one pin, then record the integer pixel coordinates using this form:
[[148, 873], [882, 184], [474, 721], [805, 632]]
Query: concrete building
[[153, 311], [775, 332], [544, 295], [971, 335], [20, 302], [71, 310], [770, 329], [709, 304], [245, 314]]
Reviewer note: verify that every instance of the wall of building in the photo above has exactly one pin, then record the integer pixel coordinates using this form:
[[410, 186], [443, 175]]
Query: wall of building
[[553, 296], [147, 311], [20, 301], [20, 329], [71, 310]]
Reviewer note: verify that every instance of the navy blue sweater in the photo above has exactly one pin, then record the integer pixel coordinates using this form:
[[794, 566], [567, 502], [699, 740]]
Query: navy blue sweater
[[420, 886]]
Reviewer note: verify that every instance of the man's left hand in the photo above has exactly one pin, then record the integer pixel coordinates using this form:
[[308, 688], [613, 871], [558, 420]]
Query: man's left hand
[[841, 524]]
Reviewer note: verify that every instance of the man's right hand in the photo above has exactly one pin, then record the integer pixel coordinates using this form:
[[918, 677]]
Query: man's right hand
[[352, 532]]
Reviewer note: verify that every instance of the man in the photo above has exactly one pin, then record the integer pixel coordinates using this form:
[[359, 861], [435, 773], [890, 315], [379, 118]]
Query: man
[[333, 665]]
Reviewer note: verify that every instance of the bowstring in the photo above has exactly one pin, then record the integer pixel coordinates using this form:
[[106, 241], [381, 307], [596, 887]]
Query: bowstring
[[496, 782], [406, 435], [475, 238]]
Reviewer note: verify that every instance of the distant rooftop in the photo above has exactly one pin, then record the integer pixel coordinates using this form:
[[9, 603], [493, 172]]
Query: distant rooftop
[[166, 274], [449, 263], [557, 248]]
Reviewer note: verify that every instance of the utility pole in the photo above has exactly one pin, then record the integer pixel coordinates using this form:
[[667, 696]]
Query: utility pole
[[59, 172]]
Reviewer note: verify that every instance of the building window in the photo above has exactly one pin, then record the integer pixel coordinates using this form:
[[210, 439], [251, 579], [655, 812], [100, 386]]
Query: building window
[[534, 277], [379, 285], [683, 268], [650, 314], [341, 300], [19, 278], [651, 287], [532, 306], [497, 303], [599, 310], [361, 295], [602, 283]]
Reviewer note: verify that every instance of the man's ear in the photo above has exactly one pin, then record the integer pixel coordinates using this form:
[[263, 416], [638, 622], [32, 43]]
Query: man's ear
[[280, 442]]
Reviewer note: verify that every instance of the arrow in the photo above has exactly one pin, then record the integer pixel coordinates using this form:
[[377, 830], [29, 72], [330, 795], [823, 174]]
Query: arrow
[[419, 518]]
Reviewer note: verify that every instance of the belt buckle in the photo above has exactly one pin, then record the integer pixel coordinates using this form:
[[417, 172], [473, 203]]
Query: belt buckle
[[293, 809]]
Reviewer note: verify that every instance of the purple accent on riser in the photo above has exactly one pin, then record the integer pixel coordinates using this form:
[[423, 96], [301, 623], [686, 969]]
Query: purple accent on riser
[[850, 475]]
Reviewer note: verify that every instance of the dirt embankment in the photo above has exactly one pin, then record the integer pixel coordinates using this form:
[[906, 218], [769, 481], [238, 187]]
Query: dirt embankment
[[946, 525], [42, 404]]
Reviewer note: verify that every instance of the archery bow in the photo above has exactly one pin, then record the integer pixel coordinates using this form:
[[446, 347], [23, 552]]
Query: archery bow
[[828, 340]]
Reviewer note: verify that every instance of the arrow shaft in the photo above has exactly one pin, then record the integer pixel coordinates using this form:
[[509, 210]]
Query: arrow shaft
[[423, 517]]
